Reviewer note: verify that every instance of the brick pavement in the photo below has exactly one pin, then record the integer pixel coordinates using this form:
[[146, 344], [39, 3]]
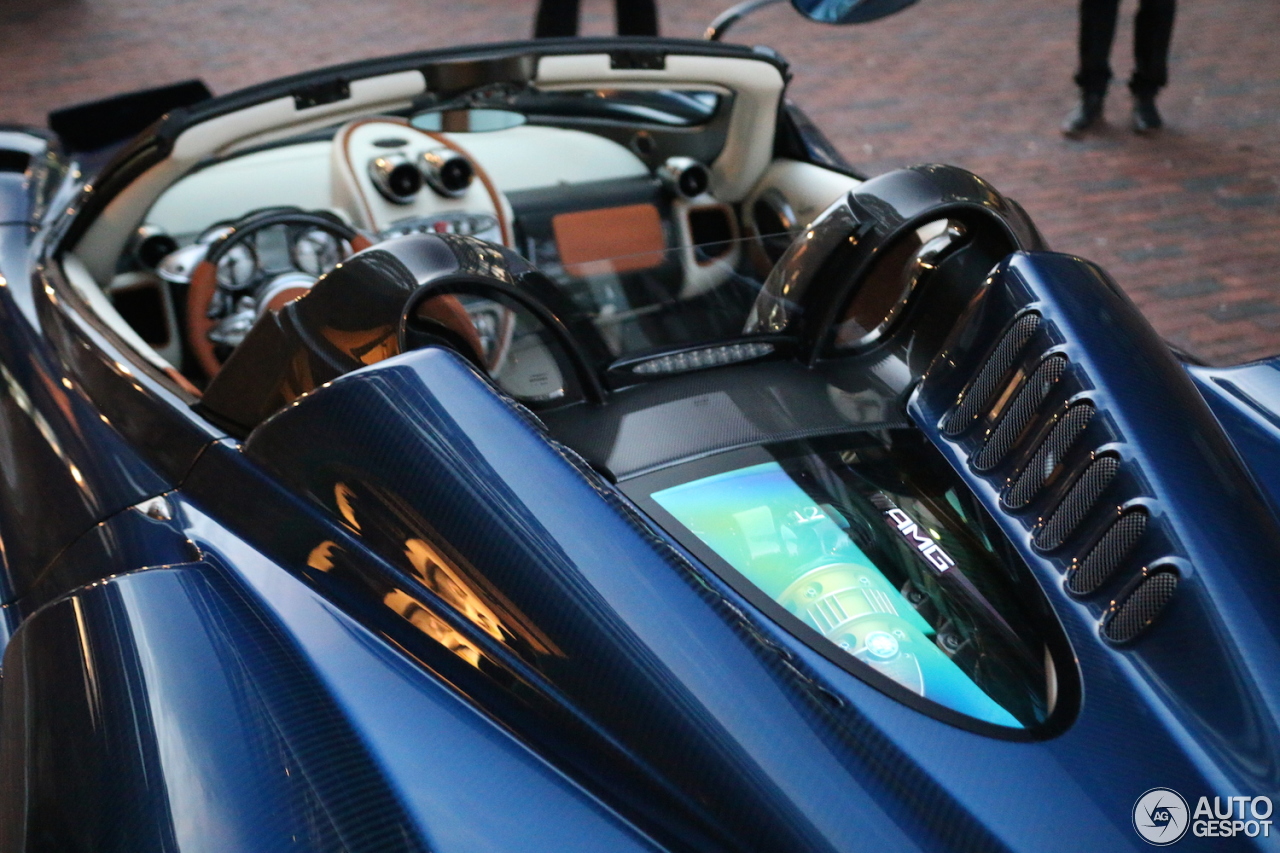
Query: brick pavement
[[1187, 222]]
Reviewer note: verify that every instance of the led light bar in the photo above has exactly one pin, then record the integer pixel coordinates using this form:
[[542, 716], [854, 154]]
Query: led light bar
[[699, 359]]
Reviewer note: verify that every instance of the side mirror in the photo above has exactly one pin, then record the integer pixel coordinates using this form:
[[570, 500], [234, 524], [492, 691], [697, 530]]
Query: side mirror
[[822, 11], [848, 11]]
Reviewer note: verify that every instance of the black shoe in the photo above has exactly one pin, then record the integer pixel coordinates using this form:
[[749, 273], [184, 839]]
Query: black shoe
[[1146, 118], [1086, 114]]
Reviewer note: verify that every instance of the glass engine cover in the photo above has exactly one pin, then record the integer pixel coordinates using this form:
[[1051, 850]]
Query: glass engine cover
[[871, 550]]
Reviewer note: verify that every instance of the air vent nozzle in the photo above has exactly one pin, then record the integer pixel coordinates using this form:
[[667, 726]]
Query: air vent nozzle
[[684, 177], [396, 179], [447, 172]]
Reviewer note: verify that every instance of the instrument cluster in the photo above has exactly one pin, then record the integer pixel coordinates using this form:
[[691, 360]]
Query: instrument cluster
[[253, 272], [274, 250]]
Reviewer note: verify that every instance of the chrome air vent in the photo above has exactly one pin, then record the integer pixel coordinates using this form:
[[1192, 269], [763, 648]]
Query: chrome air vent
[[1135, 611], [1088, 575], [1051, 451], [1020, 412], [1075, 505], [977, 397]]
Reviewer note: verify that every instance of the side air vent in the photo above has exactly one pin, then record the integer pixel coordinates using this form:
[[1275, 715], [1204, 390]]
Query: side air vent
[[1140, 607], [977, 396], [1104, 558], [1020, 412], [1082, 496], [1050, 453]]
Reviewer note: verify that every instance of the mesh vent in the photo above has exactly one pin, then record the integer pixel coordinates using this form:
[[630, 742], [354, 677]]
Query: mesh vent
[[1084, 493], [979, 394], [1055, 446], [1141, 607], [1020, 412], [1105, 557]]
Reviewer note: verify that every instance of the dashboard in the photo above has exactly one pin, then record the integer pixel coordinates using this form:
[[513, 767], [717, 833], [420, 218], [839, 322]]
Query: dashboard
[[633, 241]]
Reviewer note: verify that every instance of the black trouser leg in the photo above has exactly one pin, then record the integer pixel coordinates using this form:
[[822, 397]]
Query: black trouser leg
[[556, 18], [560, 18], [636, 17], [1152, 30], [1097, 31]]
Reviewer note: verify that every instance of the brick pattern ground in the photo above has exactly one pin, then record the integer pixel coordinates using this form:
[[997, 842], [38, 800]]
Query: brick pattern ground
[[1187, 222]]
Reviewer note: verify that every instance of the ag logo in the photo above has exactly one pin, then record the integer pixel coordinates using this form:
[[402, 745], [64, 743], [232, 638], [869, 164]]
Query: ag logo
[[1160, 816]]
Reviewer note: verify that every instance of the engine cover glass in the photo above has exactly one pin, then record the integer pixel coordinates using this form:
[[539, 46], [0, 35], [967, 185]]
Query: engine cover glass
[[880, 552]]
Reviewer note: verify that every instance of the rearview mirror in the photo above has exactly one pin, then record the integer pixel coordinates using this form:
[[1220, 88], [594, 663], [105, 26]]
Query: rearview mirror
[[472, 120]]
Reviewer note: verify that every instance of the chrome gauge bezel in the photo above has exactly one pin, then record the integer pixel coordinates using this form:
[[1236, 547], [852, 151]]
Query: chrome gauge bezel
[[227, 277], [322, 261]]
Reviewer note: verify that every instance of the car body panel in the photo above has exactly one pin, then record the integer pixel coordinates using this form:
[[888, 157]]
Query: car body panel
[[66, 468], [1246, 402], [406, 613], [511, 447], [195, 723]]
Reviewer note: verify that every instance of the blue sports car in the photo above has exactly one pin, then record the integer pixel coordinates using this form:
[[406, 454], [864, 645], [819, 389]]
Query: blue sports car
[[556, 446]]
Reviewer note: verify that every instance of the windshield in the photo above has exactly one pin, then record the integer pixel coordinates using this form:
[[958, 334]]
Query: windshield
[[875, 548]]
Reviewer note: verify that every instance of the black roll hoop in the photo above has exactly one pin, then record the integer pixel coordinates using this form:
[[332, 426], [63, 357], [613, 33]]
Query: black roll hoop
[[827, 264]]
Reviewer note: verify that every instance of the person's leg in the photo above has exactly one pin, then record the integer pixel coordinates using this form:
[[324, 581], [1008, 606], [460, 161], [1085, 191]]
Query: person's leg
[[636, 17], [1097, 31], [1152, 30], [556, 18]]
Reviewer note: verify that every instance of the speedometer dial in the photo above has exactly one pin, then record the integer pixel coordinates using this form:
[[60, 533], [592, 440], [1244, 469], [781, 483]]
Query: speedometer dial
[[316, 252], [238, 268]]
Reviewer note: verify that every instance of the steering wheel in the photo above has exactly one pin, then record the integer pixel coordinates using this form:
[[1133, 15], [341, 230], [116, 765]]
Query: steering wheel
[[520, 290], [204, 279]]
